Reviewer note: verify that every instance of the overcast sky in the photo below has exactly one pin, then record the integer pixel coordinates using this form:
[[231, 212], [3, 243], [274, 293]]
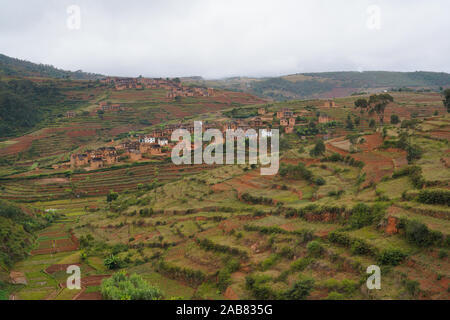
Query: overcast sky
[[221, 38]]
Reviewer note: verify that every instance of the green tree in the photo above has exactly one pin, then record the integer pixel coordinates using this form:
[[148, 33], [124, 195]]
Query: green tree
[[394, 119], [122, 287], [447, 99], [378, 103], [300, 290], [111, 196], [319, 149]]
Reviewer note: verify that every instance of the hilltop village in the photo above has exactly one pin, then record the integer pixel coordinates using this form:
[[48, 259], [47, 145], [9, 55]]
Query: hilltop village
[[158, 142], [174, 87]]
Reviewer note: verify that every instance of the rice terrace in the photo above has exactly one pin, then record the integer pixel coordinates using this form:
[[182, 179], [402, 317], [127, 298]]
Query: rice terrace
[[88, 183]]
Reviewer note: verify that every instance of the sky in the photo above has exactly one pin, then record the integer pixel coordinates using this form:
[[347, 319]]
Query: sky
[[223, 38]]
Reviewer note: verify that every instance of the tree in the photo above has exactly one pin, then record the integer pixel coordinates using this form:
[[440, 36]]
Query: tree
[[446, 100], [300, 290], [319, 149], [361, 104], [112, 262], [111, 196], [122, 287], [372, 123], [378, 103], [394, 119]]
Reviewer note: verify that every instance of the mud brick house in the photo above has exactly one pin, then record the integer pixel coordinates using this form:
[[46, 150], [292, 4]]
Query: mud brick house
[[135, 155], [147, 139], [95, 158], [324, 119], [70, 114], [261, 111], [289, 129], [256, 122], [79, 160], [155, 149], [163, 141], [284, 122], [285, 113], [329, 104], [291, 121], [96, 163], [158, 133]]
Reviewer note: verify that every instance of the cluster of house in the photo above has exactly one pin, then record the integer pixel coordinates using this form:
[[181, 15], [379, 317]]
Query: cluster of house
[[174, 88], [107, 106], [139, 83], [133, 150], [95, 159], [183, 91]]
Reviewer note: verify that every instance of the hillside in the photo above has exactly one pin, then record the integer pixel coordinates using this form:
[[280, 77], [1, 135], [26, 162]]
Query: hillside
[[22, 68], [332, 84], [376, 194]]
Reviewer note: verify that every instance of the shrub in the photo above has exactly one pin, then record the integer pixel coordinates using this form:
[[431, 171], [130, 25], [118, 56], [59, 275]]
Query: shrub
[[111, 196], [121, 287], [300, 290], [301, 264], [335, 296], [419, 234], [391, 257], [394, 119], [434, 197], [320, 181], [361, 216], [314, 248], [112, 262]]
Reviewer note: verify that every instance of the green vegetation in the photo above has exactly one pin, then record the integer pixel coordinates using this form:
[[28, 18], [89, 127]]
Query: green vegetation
[[122, 287]]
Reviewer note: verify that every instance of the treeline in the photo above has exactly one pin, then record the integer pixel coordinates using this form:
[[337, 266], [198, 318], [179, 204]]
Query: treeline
[[420, 235], [22, 105], [336, 157], [359, 246], [17, 232], [208, 245], [280, 88], [246, 197], [434, 196], [16, 67], [192, 277]]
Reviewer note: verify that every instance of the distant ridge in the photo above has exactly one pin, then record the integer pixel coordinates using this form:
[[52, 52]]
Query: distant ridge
[[22, 68], [333, 84]]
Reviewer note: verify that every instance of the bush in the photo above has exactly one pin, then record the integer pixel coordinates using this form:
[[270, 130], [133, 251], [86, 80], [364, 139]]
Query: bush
[[314, 248], [111, 196], [301, 264], [121, 287], [419, 234], [361, 216], [335, 296], [434, 197], [394, 119], [300, 290], [112, 262], [320, 181], [391, 257]]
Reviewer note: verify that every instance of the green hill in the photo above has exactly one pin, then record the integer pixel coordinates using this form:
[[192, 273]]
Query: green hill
[[331, 84], [22, 68]]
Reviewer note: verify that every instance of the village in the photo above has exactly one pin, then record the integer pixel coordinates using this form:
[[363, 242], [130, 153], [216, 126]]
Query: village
[[174, 87], [158, 143]]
